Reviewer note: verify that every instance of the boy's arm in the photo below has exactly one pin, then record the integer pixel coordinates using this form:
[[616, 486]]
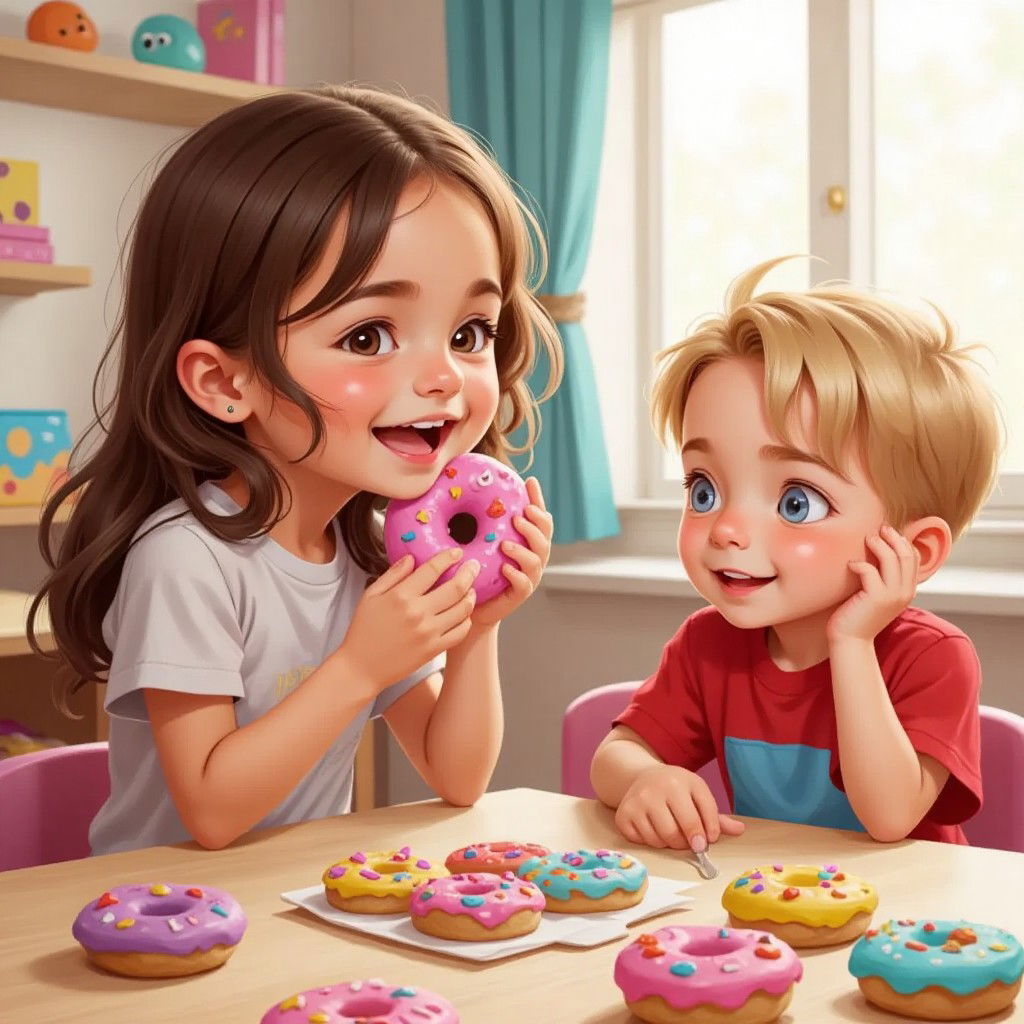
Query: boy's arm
[[621, 756], [890, 785]]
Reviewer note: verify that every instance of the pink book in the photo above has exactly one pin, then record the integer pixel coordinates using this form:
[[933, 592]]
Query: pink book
[[28, 252], [24, 233], [244, 39]]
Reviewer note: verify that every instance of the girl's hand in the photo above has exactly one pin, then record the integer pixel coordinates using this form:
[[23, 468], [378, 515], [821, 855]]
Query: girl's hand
[[536, 526], [670, 806], [884, 592], [400, 623]]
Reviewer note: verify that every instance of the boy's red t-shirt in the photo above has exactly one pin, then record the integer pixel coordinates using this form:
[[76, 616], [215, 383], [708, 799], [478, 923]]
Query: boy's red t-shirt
[[718, 694]]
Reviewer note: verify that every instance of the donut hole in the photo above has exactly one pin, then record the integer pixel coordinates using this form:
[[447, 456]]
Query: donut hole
[[166, 908], [390, 868], [462, 528], [713, 947], [475, 888], [938, 937], [805, 879], [367, 1006]]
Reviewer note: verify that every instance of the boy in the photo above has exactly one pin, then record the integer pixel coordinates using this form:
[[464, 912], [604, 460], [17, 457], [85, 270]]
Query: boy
[[834, 445]]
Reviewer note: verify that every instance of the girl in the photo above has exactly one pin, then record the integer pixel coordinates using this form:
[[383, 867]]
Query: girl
[[326, 301]]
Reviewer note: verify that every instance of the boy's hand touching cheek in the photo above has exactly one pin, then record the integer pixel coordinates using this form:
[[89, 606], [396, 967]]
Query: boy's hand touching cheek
[[670, 806], [885, 591]]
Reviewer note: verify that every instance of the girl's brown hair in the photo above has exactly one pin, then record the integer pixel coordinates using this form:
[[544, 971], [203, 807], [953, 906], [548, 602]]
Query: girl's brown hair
[[236, 219]]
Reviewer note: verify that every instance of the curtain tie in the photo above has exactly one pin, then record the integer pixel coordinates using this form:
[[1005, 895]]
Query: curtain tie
[[564, 309]]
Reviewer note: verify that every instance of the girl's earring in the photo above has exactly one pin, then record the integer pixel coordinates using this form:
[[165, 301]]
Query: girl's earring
[[231, 408]]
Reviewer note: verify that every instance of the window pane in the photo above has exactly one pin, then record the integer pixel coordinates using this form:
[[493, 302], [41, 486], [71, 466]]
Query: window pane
[[949, 155], [734, 153]]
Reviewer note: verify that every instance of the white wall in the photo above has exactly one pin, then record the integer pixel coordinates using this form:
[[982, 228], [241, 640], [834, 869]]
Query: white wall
[[559, 644]]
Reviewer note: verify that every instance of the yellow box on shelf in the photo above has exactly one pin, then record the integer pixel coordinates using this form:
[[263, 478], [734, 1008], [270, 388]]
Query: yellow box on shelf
[[35, 445]]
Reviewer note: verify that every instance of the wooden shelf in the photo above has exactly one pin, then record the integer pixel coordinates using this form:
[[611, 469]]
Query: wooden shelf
[[17, 278], [14, 625], [51, 76], [28, 515]]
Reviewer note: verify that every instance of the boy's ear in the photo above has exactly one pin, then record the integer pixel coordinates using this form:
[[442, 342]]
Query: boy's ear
[[211, 378], [933, 539]]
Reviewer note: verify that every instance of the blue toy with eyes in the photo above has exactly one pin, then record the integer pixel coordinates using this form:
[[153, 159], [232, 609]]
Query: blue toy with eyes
[[170, 42]]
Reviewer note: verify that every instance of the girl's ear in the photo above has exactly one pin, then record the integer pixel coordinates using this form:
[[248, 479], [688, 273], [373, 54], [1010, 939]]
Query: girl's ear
[[933, 539], [213, 380]]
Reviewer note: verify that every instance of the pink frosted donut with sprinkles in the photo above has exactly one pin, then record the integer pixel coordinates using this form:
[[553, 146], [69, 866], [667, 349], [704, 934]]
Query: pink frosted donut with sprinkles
[[587, 881], [363, 1002], [471, 506], [703, 975], [377, 882], [477, 908], [496, 858], [158, 930]]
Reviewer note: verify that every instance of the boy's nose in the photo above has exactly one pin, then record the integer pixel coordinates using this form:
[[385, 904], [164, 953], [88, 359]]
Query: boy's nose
[[728, 529]]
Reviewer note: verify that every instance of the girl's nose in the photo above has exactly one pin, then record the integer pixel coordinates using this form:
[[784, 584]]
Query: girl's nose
[[438, 376], [728, 529]]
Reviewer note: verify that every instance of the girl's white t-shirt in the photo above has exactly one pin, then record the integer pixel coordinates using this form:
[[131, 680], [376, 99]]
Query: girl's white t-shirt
[[249, 620]]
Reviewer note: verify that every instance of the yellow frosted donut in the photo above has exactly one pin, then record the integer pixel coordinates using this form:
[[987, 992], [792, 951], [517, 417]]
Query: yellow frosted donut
[[803, 904], [378, 883]]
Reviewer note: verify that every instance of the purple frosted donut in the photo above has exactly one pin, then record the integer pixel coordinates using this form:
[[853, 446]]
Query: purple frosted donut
[[471, 506], [161, 919], [359, 1001]]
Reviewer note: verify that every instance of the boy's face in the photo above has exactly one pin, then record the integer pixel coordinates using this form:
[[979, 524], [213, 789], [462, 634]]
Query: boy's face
[[755, 508]]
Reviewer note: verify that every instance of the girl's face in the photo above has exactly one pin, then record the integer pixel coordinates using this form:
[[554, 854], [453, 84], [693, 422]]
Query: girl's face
[[404, 372], [776, 516]]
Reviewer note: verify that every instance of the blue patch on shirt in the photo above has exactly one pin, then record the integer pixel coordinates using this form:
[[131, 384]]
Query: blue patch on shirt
[[786, 782]]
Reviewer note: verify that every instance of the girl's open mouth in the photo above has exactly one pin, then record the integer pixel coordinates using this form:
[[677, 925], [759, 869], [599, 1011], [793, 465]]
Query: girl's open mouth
[[418, 440]]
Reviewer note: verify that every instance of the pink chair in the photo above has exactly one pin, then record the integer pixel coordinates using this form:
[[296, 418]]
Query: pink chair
[[586, 722], [1000, 822], [47, 801], [998, 825]]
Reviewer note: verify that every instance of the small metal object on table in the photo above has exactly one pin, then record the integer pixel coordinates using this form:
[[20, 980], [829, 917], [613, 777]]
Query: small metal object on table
[[705, 867]]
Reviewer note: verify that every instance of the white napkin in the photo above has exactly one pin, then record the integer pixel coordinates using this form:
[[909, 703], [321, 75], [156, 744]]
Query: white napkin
[[562, 929]]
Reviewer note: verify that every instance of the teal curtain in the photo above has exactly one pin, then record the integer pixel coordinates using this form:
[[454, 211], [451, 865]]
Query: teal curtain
[[530, 77]]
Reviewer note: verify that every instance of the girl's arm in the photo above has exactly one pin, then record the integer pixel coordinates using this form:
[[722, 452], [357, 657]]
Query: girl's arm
[[890, 785], [452, 732], [224, 779]]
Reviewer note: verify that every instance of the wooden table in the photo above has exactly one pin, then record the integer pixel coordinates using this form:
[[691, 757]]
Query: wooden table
[[44, 976]]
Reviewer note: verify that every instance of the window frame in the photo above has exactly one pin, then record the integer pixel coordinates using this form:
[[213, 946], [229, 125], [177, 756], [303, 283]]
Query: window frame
[[840, 151]]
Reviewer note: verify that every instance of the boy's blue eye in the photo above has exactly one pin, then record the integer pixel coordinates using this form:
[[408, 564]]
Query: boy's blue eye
[[702, 495], [800, 504], [369, 340]]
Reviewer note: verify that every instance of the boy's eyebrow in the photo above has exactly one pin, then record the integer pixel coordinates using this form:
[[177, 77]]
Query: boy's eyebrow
[[411, 290], [775, 452], [786, 453]]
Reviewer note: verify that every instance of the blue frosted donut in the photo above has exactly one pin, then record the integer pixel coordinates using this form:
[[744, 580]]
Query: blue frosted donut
[[949, 970], [587, 881]]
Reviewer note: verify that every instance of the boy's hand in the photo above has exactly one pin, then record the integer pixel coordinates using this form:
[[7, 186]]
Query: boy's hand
[[884, 592], [537, 527], [670, 806]]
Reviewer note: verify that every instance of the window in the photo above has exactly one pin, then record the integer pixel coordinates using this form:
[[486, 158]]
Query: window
[[729, 123]]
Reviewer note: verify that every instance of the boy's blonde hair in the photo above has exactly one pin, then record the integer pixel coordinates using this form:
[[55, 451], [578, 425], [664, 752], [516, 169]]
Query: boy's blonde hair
[[927, 425]]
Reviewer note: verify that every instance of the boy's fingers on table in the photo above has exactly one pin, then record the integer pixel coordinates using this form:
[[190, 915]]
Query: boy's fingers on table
[[708, 811], [666, 824], [731, 826]]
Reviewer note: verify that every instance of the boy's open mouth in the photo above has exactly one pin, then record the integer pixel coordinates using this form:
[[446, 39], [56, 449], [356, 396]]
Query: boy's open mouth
[[421, 437], [740, 583]]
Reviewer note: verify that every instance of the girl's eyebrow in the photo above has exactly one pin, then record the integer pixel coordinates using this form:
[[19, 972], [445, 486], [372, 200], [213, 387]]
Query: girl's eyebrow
[[411, 290]]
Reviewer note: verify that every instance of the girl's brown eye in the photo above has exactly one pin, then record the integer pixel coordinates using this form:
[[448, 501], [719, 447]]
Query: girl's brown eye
[[369, 340], [473, 337]]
